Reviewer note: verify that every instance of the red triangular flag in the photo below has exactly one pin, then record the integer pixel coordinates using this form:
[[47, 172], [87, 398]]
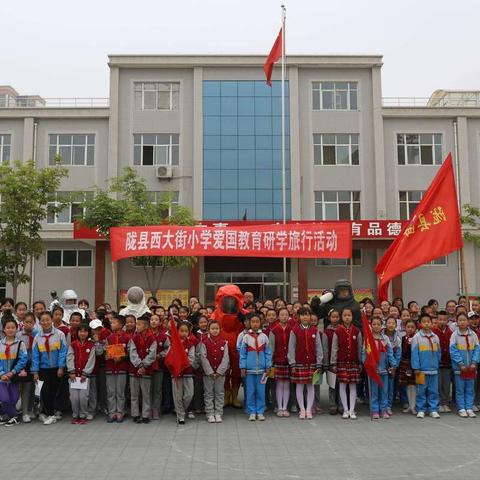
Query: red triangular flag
[[433, 231], [273, 57], [176, 359], [371, 350]]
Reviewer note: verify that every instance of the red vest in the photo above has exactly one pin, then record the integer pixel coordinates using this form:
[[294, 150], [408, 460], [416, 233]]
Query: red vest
[[81, 352], [281, 336], [347, 344], [143, 344], [306, 345], [201, 336], [215, 350], [444, 338], [161, 337], [329, 332], [187, 344], [122, 366], [63, 328]]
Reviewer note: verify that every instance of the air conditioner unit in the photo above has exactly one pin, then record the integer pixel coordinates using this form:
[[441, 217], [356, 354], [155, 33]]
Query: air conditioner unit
[[164, 171]]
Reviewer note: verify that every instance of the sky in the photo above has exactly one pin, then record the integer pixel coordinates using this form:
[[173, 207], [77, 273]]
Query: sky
[[59, 48]]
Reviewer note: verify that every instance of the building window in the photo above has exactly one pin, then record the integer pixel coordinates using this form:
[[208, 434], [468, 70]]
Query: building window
[[146, 262], [409, 201], [69, 258], [439, 262], [157, 95], [334, 95], [5, 148], [156, 149], [78, 149], [73, 206], [337, 205], [341, 262], [170, 198], [419, 149], [335, 149]]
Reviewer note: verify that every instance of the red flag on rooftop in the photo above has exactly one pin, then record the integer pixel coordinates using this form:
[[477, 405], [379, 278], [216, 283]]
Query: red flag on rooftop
[[433, 231], [274, 56]]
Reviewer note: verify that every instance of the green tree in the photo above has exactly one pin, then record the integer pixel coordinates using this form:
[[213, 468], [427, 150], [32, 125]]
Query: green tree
[[27, 194], [471, 219], [127, 202]]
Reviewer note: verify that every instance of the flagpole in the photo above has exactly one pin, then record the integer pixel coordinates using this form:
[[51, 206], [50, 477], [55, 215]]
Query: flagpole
[[284, 193]]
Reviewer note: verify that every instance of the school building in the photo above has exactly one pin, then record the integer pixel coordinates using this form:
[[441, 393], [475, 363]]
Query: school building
[[208, 129]]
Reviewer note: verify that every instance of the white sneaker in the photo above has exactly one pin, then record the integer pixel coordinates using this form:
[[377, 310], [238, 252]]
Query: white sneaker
[[421, 415], [89, 417], [471, 413], [211, 419], [261, 417], [50, 420], [218, 419], [345, 415], [26, 419], [353, 416], [414, 412], [406, 410], [434, 415], [191, 415], [252, 417], [42, 417], [447, 409], [58, 414], [475, 408], [441, 409], [463, 413]]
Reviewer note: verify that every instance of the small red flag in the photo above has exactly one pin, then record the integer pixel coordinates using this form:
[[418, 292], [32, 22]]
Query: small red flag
[[371, 350], [176, 359], [274, 56], [433, 231]]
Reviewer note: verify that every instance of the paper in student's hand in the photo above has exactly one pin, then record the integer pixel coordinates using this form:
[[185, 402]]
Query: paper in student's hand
[[38, 387], [317, 377], [264, 378], [77, 384], [331, 379]]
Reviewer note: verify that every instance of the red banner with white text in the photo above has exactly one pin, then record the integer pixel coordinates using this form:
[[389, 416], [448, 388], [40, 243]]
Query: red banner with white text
[[300, 240]]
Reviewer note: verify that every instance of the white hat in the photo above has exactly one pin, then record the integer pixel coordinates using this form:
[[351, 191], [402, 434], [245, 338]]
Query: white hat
[[95, 324], [472, 314]]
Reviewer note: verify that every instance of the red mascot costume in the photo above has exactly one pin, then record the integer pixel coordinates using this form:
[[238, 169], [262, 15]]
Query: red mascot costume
[[228, 312]]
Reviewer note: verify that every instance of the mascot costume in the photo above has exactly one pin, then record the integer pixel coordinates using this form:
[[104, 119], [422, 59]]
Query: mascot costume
[[136, 305], [341, 297], [69, 302], [229, 313]]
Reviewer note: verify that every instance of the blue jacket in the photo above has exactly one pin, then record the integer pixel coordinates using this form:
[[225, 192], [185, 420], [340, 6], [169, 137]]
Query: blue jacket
[[255, 353], [396, 343], [58, 351], [459, 354], [426, 353], [7, 364], [387, 359]]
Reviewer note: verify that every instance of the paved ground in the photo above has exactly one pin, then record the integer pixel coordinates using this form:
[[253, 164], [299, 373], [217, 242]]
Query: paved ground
[[325, 447]]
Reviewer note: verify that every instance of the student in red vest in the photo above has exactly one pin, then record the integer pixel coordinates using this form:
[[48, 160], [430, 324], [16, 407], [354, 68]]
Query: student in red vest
[[80, 364], [443, 332], [345, 361], [142, 350], [305, 356], [279, 338], [214, 359]]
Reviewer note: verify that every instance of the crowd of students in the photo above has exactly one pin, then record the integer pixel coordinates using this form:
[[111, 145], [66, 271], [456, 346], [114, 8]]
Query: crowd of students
[[111, 365]]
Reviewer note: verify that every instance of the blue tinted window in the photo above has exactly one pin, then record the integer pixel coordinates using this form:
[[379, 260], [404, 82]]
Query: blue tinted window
[[229, 196], [211, 159], [262, 89], [229, 88], [211, 211], [277, 106], [263, 106], [277, 89], [229, 141], [228, 106], [245, 142], [264, 212], [263, 141], [246, 106], [246, 125], [211, 88], [246, 196], [211, 106], [211, 196], [264, 195], [263, 179], [229, 126], [247, 209], [263, 125], [246, 159], [229, 179], [246, 89], [211, 142], [229, 211], [229, 159], [211, 126], [246, 179], [263, 159], [211, 179]]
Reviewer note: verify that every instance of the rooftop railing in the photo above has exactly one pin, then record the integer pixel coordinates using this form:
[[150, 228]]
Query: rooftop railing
[[447, 100], [39, 102]]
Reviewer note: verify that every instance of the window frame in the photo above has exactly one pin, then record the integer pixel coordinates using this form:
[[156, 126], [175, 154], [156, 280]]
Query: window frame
[[169, 146], [71, 201], [62, 250], [330, 262], [139, 87], [407, 202], [57, 145], [317, 87], [3, 145], [351, 202], [404, 146], [336, 145], [174, 202]]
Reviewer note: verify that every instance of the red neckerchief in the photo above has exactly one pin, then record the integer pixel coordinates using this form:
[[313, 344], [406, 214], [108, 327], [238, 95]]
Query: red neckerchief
[[381, 347], [429, 338], [30, 341], [466, 342], [7, 350], [47, 342]]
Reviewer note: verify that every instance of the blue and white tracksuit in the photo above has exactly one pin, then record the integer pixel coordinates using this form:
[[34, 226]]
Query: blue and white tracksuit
[[256, 359], [426, 355], [464, 351], [396, 342], [379, 394]]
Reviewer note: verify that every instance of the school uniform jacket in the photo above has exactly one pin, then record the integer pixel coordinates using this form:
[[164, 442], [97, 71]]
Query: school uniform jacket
[[328, 333], [387, 358], [8, 356], [81, 358], [111, 367], [426, 353], [444, 337], [396, 344], [346, 345], [27, 339], [213, 355], [142, 352], [163, 344], [464, 349], [255, 354], [49, 350], [279, 338], [305, 346]]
